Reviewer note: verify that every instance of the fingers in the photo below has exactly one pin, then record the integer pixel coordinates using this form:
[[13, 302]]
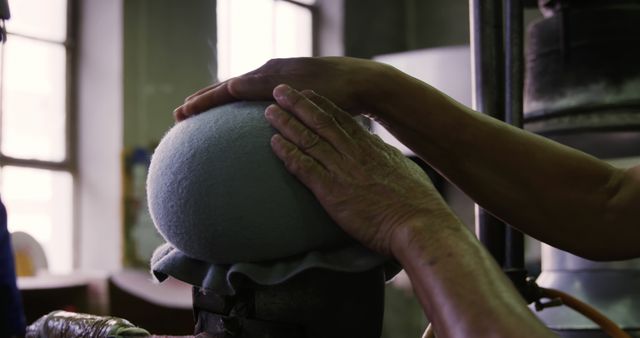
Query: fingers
[[304, 167], [254, 85], [205, 89], [291, 128], [317, 120], [346, 121], [306, 140], [246, 87], [215, 96]]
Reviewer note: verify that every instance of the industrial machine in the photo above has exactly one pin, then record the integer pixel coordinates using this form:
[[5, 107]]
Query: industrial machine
[[581, 80]]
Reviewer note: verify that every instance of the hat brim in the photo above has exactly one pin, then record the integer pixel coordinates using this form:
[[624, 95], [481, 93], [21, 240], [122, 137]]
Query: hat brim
[[224, 279]]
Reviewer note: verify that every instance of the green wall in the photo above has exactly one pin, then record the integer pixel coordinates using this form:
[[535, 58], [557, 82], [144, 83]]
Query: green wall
[[168, 54], [374, 27]]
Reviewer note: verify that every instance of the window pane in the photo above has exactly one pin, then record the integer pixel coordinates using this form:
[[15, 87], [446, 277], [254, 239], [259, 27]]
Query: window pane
[[246, 42], [45, 19], [39, 203], [250, 32], [292, 31], [33, 100]]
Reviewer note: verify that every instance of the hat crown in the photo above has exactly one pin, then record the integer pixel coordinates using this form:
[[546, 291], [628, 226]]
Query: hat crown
[[218, 193]]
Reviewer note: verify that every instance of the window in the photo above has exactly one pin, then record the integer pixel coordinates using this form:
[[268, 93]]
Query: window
[[250, 32], [36, 156]]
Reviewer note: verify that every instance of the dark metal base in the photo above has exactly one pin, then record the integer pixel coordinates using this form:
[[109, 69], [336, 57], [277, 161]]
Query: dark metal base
[[316, 303]]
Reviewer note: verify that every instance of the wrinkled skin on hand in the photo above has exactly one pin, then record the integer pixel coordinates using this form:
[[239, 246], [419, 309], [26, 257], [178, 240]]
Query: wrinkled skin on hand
[[336, 78], [368, 187]]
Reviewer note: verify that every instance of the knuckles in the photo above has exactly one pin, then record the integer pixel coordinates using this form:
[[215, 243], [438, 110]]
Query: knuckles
[[322, 120], [308, 140], [297, 163]]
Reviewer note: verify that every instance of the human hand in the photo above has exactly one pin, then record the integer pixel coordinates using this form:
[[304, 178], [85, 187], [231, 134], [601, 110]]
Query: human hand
[[339, 78], [368, 187]]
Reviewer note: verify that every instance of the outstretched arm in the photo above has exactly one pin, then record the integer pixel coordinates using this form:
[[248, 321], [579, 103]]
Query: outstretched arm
[[386, 202], [547, 190], [550, 191]]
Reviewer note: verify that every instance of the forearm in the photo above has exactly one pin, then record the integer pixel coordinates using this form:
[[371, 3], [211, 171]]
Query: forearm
[[462, 290], [547, 190]]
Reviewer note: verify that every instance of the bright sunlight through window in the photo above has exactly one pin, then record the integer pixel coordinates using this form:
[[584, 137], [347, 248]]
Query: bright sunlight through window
[[36, 169], [250, 32]]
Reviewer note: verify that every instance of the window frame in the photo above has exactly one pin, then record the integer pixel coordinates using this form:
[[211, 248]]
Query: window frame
[[69, 164]]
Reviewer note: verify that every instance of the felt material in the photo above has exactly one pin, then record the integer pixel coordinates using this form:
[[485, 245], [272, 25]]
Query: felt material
[[218, 193], [224, 279], [229, 209]]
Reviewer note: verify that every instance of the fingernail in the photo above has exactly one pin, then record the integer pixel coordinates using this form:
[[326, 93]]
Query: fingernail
[[282, 91], [270, 111], [281, 144], [277, 141], [308, 92]]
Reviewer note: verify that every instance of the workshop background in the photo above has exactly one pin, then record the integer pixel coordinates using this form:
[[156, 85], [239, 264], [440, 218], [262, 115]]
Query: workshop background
[[74, 182]]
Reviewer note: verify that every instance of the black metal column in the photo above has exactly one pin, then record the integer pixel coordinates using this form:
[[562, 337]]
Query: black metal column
[[488, 97], [514, 82]]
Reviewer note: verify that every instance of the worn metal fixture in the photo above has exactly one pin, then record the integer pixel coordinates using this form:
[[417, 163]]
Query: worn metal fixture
[[583, 90]]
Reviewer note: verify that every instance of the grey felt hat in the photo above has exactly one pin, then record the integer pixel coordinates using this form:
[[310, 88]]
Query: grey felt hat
[[226, 205]]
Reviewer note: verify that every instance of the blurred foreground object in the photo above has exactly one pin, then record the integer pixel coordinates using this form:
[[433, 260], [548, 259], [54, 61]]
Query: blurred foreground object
[[160, 308], [12, 320], [29, 255], [69, 324]]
